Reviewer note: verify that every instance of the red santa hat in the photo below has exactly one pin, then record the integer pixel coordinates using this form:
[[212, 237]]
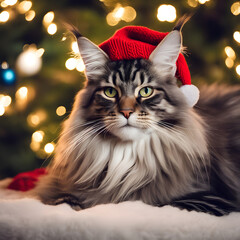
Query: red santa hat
[[134, 42]]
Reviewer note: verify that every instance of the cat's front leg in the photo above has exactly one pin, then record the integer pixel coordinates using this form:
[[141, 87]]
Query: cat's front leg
[[206, 202]]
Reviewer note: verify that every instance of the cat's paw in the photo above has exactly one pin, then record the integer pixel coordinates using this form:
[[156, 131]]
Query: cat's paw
[[205, 202], [70, 200]]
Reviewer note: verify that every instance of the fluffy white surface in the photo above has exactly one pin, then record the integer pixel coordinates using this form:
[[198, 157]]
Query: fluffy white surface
[[26, 218]]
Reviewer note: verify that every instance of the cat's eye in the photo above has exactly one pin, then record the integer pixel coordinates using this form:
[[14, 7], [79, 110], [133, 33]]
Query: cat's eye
[[110, 92], [146, 92]]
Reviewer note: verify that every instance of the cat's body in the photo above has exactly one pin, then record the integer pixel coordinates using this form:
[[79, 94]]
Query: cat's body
[[120, 143]]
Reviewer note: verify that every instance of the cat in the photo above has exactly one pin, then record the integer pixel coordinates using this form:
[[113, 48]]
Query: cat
[[132, 136]]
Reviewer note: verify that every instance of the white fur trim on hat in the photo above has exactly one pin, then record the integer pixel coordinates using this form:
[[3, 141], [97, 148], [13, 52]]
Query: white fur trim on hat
[[191, 93]]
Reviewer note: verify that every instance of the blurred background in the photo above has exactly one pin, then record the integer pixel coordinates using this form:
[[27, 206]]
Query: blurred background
[[40, 73]]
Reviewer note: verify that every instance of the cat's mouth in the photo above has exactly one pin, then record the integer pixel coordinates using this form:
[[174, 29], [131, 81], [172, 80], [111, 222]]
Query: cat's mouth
[[127, 125]]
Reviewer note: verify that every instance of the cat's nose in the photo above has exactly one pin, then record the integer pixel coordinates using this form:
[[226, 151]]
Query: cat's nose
[[126, 112]]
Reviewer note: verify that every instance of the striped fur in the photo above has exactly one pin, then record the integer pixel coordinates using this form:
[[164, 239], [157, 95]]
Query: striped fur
[[162, 152]]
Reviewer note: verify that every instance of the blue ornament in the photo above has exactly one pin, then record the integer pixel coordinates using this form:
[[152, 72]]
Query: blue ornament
[[8, 76]]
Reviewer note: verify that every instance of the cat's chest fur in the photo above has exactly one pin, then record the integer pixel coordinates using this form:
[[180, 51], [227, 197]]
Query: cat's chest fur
[[153, 169]]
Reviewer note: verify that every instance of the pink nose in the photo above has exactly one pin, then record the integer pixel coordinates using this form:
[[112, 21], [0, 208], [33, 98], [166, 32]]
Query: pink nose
[[126, 112]]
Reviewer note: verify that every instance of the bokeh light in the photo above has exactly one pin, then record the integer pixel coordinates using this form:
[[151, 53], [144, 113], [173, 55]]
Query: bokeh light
[[5, 100], [4, 65], [230, 52], [4, 16], [129, 14], [52, 29], [37, 136], [229, 62], [22, 93], [28, 62], [10, 2], [24, 6], [166, 13], [71, 63], [80, 65], [235, 8], [34, 119], [203, 1], [193, 3], [238, 69], [2, 110], [49, 148], [48, 18], [119, 13], [236, 36], [75, 47], [29, 16], [61, 110]]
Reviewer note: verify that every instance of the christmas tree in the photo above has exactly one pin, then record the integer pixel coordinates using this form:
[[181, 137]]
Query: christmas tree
[[41, 70]]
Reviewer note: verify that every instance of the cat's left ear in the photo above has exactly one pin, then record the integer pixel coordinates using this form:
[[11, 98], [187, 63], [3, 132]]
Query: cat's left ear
[[94, 58], [165, 55]]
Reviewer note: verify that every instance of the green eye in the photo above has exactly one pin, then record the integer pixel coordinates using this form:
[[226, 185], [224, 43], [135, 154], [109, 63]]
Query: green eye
[[146, 92], [110, 92]]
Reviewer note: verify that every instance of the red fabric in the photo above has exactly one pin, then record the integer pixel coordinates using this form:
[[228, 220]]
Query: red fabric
[[27, 180], [133, 42]]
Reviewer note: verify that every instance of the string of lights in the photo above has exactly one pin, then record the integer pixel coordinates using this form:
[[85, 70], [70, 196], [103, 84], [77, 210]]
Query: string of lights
[[29, 62]]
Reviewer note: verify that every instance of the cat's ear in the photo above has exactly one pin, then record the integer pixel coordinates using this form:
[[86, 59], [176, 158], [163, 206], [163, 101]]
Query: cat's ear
[[94, 58], [166, 53]]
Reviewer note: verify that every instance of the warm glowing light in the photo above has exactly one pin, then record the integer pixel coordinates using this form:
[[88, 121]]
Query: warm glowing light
[[236, 36], [4, 65], [235, 8], [35, 146], [52, 29], [166, 13], [36, 118], [71, 63], [38, 136], [75, 47], [49, 148], [202, 1], [22, 93], [118, 12], [11, 2], [4, 4], [29, 16], [24, 6], [61, 110], [238, 69], [230, 52], [193, 3], [80, 65], [229, 62], [2, 110], [48, 18], [29, 62], [33, 120], [63, 38], [5, 101], [129, 14], [40, 52], [111, 20], [4, 16]]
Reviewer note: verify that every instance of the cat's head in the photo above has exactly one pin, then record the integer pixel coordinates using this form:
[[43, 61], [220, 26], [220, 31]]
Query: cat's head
[[132, 98]]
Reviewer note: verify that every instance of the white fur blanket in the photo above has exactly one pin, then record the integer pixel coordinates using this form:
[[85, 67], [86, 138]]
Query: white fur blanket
[[28, 219]]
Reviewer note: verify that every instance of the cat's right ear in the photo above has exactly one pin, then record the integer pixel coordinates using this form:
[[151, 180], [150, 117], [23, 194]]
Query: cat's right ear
[[94, 58]]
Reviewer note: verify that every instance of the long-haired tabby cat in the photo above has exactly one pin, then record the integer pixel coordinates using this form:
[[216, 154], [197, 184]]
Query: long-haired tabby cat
[[132, 136]]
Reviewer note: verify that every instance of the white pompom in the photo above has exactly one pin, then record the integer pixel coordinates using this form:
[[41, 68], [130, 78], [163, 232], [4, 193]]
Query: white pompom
[[191, 93]]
